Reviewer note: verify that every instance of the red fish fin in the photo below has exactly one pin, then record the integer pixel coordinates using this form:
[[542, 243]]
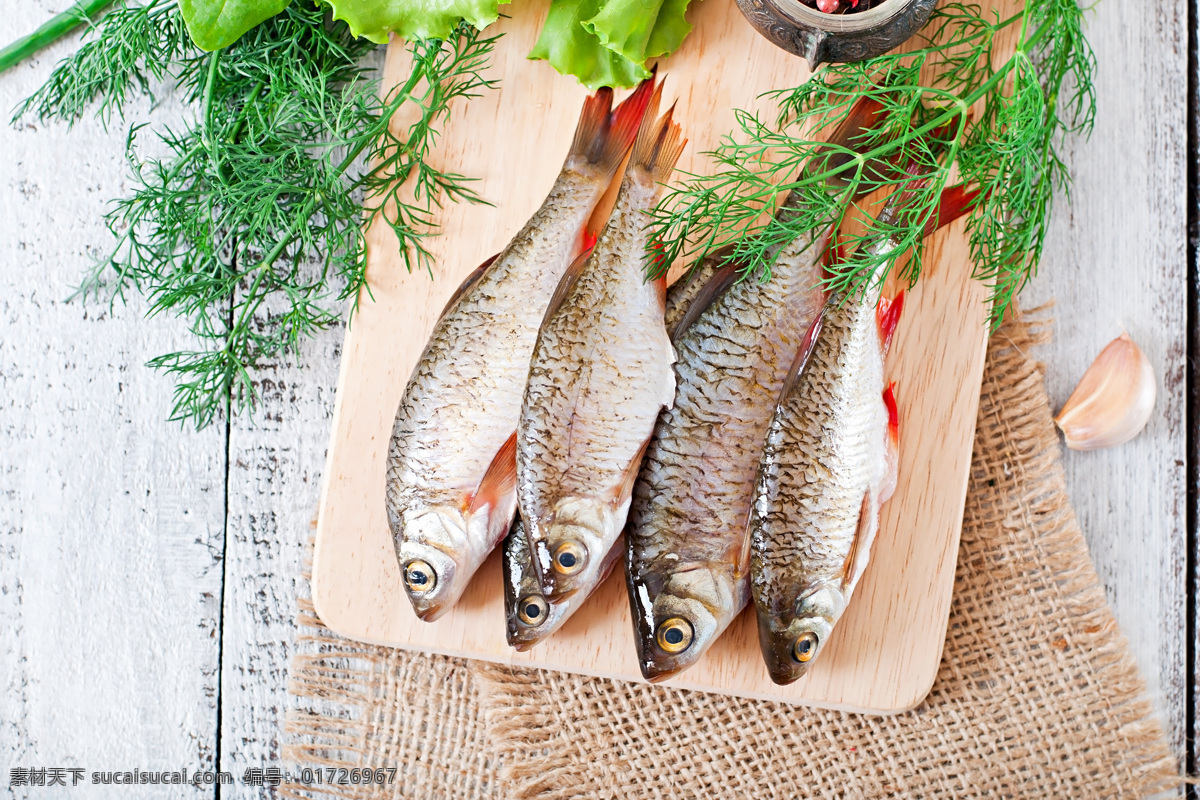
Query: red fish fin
[[851, 568], [566, 283], [866, 113], [625, 489], [627, 117], [887, 317], [713, 288], [604, 134], [659, 269], [660, 284], [888, 486], [956, 201], [500, 480], [588, 241], [802, 356], [659, 141], [889, 401], [470, 281], [656, 261]]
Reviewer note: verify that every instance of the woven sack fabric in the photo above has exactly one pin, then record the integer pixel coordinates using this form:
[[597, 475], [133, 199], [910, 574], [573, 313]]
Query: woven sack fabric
[[1037, 695]]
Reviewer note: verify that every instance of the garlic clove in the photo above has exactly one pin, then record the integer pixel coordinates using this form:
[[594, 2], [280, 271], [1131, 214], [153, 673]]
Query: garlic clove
[[1113, 400]]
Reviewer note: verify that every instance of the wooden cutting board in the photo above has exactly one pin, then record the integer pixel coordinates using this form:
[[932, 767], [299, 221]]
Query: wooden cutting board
[[885, 653]]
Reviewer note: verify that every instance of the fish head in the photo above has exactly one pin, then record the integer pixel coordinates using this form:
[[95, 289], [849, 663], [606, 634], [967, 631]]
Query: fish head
[[531, 618], [528, 615], [571, 557], [678, 614], [436, 560], [791, 642]]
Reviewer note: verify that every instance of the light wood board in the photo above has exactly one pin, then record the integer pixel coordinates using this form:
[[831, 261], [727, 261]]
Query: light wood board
[[885, 652]]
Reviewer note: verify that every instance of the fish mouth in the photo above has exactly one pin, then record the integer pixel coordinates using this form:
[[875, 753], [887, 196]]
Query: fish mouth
[[429, 613], [658, 674], [785, 678], [785, 674], [776, 643]]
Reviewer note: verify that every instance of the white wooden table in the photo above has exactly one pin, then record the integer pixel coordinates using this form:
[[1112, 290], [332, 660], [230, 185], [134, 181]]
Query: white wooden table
[[148, 573]]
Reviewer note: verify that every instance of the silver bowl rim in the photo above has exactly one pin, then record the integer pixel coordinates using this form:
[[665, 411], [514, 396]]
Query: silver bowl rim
[[873, 18]]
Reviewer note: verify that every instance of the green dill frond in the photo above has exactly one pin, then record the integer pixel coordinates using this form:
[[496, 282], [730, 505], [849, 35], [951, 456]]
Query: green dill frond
[[251, 228], [131, 50], [923, 132]]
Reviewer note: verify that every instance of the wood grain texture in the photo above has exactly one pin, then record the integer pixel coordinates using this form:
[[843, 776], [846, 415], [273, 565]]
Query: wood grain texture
[[885, 653], [274, 478], [110, 517], [138, 654], [1116, 256]]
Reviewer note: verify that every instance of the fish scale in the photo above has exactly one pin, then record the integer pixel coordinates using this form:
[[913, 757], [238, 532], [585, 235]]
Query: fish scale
[[449, 490], [692, 502], [824, 457], [600, 373]]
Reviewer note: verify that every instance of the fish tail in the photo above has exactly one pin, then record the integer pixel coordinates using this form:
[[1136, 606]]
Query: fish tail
[[604, 134], [865, 115], [659, 141], [955, 201]]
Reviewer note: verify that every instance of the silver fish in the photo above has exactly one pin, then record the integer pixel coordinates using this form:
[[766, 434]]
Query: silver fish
[[529, 616], [688, 534], [828, 463], [450, 481], [687, 565], [600, 373]]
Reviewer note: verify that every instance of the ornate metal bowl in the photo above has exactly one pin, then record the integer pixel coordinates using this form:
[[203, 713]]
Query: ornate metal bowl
[[836, 38]]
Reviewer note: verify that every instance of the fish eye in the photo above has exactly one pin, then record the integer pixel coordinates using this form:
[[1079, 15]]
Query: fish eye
[[674, 635], [569, 558], [805, 647], [531, 610], [419, 577]]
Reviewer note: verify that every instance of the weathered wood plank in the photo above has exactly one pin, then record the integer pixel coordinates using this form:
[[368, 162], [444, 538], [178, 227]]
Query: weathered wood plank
[[275, 466], [276, 459], [111, 518], [1116, 257]]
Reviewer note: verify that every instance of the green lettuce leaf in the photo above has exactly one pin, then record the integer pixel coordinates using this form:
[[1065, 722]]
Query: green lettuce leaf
[[214, 24], [573, 50], [412, 19], [640, 30]]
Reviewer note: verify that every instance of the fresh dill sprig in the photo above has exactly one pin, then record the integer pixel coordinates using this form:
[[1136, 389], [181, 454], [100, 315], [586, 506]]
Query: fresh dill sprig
[[133, 50], [945, 105], [251, 227]]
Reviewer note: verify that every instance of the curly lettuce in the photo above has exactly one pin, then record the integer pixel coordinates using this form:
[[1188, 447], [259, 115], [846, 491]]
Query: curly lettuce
[[412, 19], [610, 42], [214, 24], [640, 30], [573, 50]]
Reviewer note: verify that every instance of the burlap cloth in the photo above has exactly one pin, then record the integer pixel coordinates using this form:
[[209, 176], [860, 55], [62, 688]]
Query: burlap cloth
[[1037, 695]]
